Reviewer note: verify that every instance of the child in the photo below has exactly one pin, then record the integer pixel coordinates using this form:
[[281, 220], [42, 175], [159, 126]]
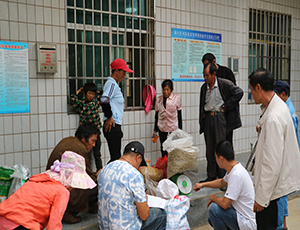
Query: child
[[168, 113], [88, 112]]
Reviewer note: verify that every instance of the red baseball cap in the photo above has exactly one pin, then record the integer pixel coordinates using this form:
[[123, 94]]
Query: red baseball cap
[[120, 64]]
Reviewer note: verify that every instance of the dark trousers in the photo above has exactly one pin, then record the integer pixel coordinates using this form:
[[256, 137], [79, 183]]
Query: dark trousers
[[162, 137], [267, 218], [214, 131], [114, 142], [97, 153], [229, 137]]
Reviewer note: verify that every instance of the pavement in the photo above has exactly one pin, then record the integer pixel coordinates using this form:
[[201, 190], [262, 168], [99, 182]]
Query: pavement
[[293, 220]]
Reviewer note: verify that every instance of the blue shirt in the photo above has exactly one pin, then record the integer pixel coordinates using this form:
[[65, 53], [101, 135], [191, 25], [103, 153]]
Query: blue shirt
[[294, 117], [113, 92], [119, 186]]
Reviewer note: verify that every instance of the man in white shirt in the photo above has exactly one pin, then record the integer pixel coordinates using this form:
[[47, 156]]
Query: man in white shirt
[[277, 157], [234, 210]]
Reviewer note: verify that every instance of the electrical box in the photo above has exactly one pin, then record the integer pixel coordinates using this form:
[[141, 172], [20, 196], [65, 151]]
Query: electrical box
[[233, 64], [47, 58]]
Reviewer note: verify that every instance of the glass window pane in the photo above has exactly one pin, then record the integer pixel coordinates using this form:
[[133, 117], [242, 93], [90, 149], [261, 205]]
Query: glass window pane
[[89, 61], [71, 50], [136, 39], [98, 83], [114, 5], [136, 9], [129, 38], [88, 4], [121, 22], [80, 36], [144, 60], [105, 5], [79, 3], [128, 7], [114, 20], [97, 19], [97, 61], [97, 37], [70, 3], [106, 59], [121, 6], [121, 39], [143, 24], [105, 20], [105, 38], [136, 23], [73, 87], [89, 37], [71, 35], [136, 63], [88, 17], [144, 40], [137, 93], [97, 4], [129, 22], [121, 53], [143, 7], [80, 60], [114, 39], [79, 16], [70, 16]]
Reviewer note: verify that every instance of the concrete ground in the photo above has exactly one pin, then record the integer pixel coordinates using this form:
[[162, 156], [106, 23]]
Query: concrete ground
[[293, 220]]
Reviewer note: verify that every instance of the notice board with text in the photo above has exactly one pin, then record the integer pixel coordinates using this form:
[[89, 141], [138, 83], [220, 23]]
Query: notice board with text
[[14, 77], [188, 47]]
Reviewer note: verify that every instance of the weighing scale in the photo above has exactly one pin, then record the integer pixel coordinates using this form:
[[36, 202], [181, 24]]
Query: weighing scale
[[183, 183]]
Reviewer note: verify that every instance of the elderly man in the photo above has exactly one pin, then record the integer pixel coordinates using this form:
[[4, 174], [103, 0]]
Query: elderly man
[[82, 144], [277, 157], [219, 115], [122, 197]]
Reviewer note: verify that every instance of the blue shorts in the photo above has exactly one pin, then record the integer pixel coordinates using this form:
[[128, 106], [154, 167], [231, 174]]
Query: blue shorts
[[282, 211]]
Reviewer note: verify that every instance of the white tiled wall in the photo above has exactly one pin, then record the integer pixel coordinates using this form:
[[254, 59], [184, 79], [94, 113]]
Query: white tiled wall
[[29, 138]]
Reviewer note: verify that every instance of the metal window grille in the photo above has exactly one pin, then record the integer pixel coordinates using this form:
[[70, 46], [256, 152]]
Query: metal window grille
[[270, 43], [99, 31]]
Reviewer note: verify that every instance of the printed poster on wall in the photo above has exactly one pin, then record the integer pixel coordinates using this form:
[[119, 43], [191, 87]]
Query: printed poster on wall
[[188, 47], [14, 77]]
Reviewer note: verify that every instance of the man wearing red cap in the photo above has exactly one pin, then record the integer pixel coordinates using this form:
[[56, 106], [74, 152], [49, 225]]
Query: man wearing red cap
[[112, 102]]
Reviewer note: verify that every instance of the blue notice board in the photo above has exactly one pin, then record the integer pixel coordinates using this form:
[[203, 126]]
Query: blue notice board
[[14, 77], [188, 47]]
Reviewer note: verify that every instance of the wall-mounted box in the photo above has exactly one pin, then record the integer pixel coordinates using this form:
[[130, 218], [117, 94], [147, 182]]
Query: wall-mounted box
[[46, 55], [233, 64]]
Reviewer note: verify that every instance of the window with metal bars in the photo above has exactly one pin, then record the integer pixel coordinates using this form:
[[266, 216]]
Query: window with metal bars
[[269, 43], [99, 31]]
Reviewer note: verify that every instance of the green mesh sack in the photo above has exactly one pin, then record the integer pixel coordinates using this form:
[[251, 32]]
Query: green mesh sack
[[5, 182]]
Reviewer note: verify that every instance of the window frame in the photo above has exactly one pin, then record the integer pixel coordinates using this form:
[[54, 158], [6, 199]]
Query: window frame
[[269, 44], [139, 54]]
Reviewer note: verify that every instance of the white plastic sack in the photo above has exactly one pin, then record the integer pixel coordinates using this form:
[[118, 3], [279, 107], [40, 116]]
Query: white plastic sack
[[179, 140], [176, 207]]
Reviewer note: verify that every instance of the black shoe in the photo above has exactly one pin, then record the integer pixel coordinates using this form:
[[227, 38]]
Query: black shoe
[[208, 179], [71, 218]]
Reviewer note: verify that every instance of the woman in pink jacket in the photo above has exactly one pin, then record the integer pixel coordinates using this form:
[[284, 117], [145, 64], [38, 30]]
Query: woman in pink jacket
[[168, 116]]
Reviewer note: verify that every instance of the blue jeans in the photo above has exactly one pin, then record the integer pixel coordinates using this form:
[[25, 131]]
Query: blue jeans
[[222, 219], [157, 220], [282, 211]]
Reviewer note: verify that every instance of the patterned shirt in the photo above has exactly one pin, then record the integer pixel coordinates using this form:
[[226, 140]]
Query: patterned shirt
[[119, 186], [88, 110]]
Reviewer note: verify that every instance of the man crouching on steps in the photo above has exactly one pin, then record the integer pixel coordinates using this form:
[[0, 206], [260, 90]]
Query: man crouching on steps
[[234, 210], [122, 199]]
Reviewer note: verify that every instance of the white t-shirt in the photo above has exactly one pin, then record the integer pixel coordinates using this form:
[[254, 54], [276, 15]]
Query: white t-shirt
[[241, 191]]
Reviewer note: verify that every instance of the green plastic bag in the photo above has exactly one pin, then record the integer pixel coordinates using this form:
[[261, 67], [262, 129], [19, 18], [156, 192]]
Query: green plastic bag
[[5, 182]]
